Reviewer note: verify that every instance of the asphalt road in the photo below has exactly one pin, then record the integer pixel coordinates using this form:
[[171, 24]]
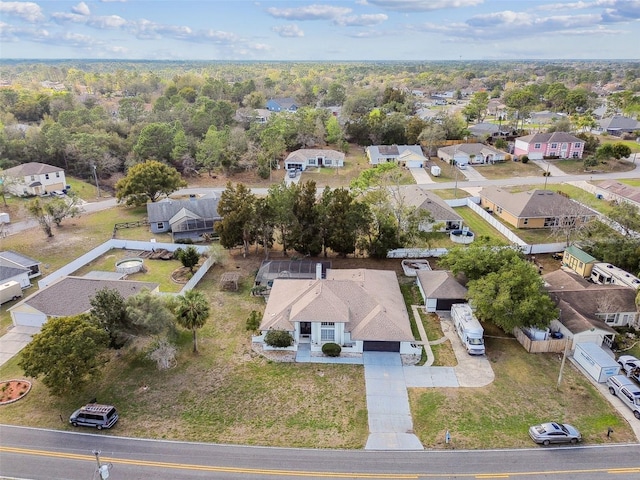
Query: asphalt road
[[36, 454]]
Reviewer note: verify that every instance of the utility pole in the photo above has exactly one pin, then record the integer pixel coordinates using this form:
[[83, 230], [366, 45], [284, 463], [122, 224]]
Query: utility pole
[[95, 176], [546, 176], [103, 470]]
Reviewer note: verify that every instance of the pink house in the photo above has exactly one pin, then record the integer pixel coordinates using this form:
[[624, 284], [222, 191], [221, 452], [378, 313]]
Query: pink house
[[549, 145]]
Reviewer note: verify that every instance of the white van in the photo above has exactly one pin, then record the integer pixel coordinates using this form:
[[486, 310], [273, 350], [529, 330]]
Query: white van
[[627, 391]]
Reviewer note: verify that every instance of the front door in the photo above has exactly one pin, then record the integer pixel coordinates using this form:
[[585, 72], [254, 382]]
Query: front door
[[305, 329]]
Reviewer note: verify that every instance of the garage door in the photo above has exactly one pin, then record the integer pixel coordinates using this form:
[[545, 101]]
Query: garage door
[[371, 346], [445, 303]]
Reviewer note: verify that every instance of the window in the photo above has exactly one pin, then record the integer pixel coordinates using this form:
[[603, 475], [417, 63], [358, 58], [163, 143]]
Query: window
[[327, 331], [554, 145], [33, 178], [526, 221], [160, 225], [577, 145], [311, 161], [574, 154], [57, 174], [537, 146], [46, 176], [550, 221], [328, 161]]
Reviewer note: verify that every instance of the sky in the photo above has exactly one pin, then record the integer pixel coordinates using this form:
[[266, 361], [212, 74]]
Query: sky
[[317, 30]]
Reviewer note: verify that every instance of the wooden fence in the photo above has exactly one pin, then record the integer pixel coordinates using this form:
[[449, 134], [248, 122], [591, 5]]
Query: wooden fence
[[540, 346]]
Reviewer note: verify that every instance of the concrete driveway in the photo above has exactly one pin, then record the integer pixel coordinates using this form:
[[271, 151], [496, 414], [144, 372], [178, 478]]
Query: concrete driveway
[[390, 422], [15, 340]]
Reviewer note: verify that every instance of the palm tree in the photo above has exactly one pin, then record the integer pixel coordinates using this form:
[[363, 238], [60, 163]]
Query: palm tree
[[192, 313]]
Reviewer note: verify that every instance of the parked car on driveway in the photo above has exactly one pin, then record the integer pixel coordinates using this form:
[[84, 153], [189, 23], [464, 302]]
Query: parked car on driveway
[[629, 364], [553, 432], [293, 173]]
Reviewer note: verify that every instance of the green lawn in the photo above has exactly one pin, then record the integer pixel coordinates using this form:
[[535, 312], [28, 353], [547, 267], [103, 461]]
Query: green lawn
[[509, 170], [479, 227]]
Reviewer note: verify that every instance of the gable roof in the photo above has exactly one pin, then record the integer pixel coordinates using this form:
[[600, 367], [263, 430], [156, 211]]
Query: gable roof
[[535, 203], [619, 122], [392, 151], [18, 259], [284, 102], [7, 272], [305, 153], [555, 137], [472, 149], [165, 210], [585, 299], [368, 302], [72, 295], [414, 196], [581, 255], [31, 168], [440, 284]]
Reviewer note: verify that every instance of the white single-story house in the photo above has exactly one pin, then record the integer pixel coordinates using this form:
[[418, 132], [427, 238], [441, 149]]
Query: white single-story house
[[35, 178], [440, 289], [471, 154], [410, 156], [69, 296], [359, 309], [313, 157]]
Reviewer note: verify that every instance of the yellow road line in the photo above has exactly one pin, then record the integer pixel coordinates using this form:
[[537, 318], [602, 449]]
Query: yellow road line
[[206, 468]]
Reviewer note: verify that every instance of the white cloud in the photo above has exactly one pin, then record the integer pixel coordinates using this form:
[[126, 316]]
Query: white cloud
[[29, 11], [366, 20], [423, 5], [81, 9], [310, 12], [288, 31]]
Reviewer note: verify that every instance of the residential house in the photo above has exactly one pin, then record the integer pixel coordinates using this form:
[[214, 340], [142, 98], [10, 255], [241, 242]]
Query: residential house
[[410, 156], [18, 267], [443, 217], [69, 296], [589, 311], [534, 208], [286, 104], [579, 261], [471, 154], [619, 192], [35, 178], [618, 125], [185, 219], [491, 130], [547, 117], [313, 157], [439, 289], [256, 115], [359, 309], [549, 145]]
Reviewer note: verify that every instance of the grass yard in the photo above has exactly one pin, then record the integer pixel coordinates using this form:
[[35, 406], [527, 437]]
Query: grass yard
[[450, 193], [524, 393], [576, 167], [509, 170], [479, 227], [632, 182]]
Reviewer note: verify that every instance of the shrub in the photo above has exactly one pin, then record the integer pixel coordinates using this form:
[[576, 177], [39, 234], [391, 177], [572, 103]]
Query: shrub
[[331, 349], [524, 158], [278, 339], [253, 322]]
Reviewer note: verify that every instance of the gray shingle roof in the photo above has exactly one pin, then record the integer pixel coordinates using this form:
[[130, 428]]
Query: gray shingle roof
[[71, 295], [535, 203], [440, 284], [10, 272], [369, 302], [18, 258], [32, 168], [205, 208], [415, 196]]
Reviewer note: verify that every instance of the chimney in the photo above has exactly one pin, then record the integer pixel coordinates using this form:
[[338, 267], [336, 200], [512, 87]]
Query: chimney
[[318, 271]]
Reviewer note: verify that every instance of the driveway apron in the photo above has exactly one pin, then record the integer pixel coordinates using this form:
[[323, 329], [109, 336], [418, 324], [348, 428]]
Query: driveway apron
[[15, 340], [390, 422]]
